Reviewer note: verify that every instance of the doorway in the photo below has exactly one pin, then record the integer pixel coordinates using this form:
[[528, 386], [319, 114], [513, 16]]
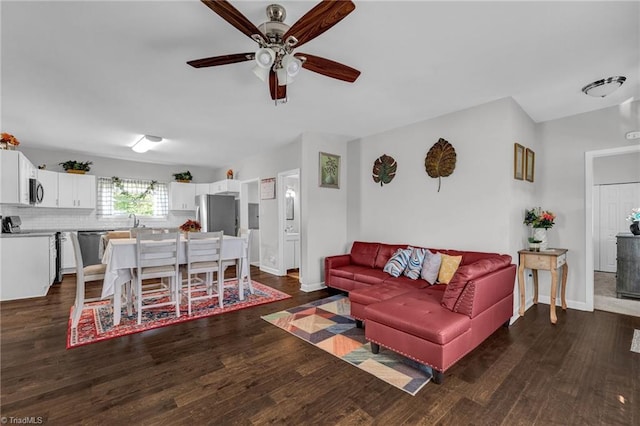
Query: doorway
[[250, 216], [594, 299], [289, 218]]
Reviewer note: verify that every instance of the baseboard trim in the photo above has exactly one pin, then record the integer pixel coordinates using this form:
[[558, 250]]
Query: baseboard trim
[[271, 271], [308, 288], [571, 304]]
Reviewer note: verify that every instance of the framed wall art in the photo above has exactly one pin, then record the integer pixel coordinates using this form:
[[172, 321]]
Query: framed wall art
[[518, 161], [329, 171], [268, 189], [530, 164]]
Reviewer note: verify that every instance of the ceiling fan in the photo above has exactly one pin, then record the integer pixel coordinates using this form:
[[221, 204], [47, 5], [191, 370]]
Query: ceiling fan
[[275, 60]]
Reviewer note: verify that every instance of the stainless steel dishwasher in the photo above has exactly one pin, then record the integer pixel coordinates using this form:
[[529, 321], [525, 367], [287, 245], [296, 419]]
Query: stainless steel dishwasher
[[90, 246]]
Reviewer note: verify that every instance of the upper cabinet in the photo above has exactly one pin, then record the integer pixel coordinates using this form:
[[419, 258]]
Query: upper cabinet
[[227, 186], [182, 196], [15, 172], [76, 191], [49, 182]]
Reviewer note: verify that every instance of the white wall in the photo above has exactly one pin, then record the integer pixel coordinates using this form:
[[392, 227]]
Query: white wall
[[562, 180], [324, 210], [122, 168], [472, 210], [623, 168]]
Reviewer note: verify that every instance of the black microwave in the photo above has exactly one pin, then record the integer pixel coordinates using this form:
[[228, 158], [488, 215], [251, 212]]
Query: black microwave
[[36, 191]]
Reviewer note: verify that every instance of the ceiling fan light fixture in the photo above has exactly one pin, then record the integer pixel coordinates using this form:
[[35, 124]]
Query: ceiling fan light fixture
[[262, 73], [145, 143], [604, 87], [292, 65], [265, 57]]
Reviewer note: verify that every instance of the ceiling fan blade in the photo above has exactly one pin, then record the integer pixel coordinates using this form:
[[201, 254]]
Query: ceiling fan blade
[[329, 68], [277, 92], [234, 17], [318, 20], [221, 60]]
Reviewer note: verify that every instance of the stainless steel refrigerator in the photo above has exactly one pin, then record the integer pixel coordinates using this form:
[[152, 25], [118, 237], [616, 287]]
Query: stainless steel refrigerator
[[217, 213]]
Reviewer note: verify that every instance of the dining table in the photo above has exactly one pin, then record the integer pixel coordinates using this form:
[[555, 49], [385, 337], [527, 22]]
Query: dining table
[[120, 257]]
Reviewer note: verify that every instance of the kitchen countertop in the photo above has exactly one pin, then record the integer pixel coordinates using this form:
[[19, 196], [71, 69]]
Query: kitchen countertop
[[45, 232], [29, 234]]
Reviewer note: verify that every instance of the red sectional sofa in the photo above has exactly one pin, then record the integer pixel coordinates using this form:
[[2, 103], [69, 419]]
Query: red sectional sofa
[[434, 324]]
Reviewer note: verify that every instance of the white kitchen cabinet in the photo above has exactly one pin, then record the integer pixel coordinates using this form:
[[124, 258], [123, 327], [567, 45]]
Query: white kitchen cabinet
[[26, 272], [182, 196], [291, 251], [227, 186], [76, 191], [49, 182], [15, 172]]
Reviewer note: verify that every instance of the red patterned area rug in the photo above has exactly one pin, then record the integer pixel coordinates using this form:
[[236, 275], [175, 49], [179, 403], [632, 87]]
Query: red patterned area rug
[[327, 325], [96, 322]]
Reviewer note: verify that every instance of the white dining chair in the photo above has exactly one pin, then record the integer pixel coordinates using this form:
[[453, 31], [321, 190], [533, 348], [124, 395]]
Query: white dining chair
[[203, 257], [83, 275], [157, 256], [248, 235]]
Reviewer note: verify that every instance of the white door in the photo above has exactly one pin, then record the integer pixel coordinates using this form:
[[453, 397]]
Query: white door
[[616, 202]]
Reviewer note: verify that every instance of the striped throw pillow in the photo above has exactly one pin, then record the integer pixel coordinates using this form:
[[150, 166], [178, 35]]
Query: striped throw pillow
[[396, 264], [414, 266]]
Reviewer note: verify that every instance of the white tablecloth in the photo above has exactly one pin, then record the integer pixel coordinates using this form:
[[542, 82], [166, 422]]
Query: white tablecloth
[[120, 257]]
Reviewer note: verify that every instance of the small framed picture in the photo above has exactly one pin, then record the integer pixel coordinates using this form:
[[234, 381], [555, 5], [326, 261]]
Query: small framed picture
[[518, 161], [530, 164], [268, 189], [329, 171]]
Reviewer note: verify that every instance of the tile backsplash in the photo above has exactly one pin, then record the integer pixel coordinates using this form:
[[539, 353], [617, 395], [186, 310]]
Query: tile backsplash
[[72, 219]]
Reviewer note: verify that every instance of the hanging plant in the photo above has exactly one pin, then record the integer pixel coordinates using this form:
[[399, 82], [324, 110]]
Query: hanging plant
[[384, 169], [441, 160], [133, 197]]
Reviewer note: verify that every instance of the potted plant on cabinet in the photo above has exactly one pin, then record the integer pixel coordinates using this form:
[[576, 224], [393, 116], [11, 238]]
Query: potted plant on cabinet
[[77, 167], [184, 177]]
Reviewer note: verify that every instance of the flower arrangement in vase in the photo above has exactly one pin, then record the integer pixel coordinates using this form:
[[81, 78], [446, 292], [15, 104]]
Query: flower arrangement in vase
[[634, 218], [540, 220], [191, 226], [8, 141]]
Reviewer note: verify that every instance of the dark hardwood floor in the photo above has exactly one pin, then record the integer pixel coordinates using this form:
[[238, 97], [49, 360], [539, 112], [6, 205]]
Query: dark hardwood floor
[[238, 369]]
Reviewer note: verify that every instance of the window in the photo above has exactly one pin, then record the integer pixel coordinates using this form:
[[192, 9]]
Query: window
[[119, 196]]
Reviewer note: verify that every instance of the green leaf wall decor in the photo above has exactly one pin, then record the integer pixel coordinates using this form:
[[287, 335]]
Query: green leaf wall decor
[[384, 169]]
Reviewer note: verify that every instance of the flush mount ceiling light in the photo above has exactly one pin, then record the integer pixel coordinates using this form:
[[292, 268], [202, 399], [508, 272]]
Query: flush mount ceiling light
[[602, 88], [146, 143]]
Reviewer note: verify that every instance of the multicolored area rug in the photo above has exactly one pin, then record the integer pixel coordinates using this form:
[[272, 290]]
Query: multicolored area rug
[[96, 322], [326, 324]]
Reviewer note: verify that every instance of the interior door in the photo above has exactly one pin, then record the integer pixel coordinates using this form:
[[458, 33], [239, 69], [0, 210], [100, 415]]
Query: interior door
[[616, 202]]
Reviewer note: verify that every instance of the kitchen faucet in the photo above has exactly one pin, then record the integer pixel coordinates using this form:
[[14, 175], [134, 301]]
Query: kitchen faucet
[[136, 221]]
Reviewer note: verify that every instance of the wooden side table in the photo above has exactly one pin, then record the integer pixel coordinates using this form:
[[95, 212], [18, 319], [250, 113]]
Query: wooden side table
[[549, 260]]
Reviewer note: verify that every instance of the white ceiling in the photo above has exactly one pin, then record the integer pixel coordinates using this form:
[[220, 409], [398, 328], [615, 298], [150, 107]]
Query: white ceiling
[[93, 76]]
